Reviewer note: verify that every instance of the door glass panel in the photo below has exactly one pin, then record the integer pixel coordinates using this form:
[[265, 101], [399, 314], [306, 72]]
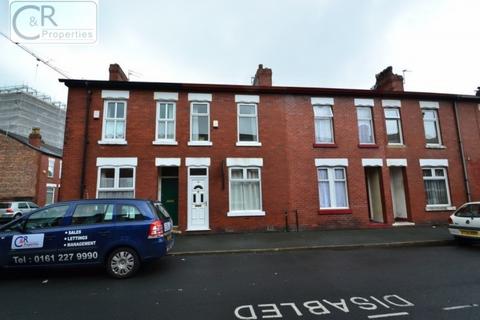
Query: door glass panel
[[198, 172]]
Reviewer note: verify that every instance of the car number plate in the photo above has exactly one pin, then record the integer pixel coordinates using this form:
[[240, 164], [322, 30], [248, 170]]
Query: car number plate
[[468, 233], [167, 226]]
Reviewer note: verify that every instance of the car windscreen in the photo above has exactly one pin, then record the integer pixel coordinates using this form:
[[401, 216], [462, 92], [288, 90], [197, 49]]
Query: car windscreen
[[160, 211], [5, 205], [469, 210]]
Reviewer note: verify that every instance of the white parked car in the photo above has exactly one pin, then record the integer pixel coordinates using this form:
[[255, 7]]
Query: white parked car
[[15, 209], [464, 224]]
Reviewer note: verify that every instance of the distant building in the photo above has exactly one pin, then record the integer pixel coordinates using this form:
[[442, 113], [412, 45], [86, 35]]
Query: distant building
[[31, 169], [23, 108]]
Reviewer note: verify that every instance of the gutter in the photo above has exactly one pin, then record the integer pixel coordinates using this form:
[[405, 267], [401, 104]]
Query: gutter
[[462, 152], [88, 102]]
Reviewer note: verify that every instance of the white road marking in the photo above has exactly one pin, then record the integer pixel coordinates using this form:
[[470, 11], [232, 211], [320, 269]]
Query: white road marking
[[387, 315], [460, 307]]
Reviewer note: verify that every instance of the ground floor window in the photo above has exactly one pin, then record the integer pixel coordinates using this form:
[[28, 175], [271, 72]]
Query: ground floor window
[[332, 187], [50, 196], [245, 189], [116, 182], [436, 186]]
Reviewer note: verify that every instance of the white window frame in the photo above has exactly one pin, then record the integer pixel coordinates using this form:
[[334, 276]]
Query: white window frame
[[244, 213], [437, 126], [194, 142], [369, 108], [60, 169], [447, 186], [116, 179], [399, 124], [331, 185], [53, 188], [256, 143], [315, 118], [51, 164], [174, 120], [104, 140]]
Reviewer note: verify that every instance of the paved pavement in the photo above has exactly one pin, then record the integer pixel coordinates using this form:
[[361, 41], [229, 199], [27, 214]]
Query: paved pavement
[[305, 240]]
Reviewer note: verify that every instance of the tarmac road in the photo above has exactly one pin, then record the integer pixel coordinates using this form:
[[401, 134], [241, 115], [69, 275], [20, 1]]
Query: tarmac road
[[378, 283]]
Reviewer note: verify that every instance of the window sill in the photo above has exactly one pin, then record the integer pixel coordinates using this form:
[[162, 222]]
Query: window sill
[[435, 146], [249, 213], [396, 145], [200, 143], [368, 146], [325, 145], [119, 142], [334, 211], [248, 144], [440, 208], [165, 143]]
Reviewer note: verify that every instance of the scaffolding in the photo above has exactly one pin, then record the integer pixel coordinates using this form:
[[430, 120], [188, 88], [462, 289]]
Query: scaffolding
[[34, 93]]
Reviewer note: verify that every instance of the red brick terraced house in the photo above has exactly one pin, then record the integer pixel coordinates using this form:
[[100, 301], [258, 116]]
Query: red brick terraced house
[[31, 169], [227, 158]]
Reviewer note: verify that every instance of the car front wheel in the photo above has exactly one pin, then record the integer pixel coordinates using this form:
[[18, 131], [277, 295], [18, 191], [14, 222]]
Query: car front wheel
[[123, 263], [18, 215]]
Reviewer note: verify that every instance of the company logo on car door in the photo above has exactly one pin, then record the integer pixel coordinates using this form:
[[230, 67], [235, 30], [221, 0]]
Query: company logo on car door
[[27, 241]]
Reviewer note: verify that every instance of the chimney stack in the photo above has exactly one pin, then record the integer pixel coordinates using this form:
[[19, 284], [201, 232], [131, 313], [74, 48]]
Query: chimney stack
[[263, 77], [35, 138], [388, 81], [116, 73]]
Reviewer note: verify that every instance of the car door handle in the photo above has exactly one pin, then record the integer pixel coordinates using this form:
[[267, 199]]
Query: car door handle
[[104, 233], [50, 237]]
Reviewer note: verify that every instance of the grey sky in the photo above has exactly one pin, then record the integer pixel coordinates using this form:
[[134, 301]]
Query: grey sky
[[340, 43]]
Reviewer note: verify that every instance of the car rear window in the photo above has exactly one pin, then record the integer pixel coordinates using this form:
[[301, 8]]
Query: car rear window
[[470, 210], [160, 211], [5, 205]]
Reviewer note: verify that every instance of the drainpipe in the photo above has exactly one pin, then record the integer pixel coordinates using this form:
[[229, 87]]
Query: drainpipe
[[462, 152], [88, 101]]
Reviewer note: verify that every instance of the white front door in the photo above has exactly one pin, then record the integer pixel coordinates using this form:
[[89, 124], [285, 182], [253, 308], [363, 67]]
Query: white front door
[[197, 199]]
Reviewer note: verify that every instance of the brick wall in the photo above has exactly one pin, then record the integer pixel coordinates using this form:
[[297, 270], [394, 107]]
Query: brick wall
[[289, 177]]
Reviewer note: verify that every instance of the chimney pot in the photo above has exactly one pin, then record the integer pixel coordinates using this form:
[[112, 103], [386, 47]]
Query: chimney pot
[[116, 73], [35, 138], [388, 81], [263, 76]]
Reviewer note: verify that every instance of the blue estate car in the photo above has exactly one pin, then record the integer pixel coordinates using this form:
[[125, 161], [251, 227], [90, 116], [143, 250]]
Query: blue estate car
[[117, 233]]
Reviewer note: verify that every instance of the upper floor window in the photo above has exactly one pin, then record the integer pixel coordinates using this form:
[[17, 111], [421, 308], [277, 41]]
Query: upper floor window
[[436, 186], [365, 125], [394, 126], [51, 167], [332, 187], [247, 122], [323, 123], [199, 122], [116, 182], [114, 121], [165, 122], [431, 126]]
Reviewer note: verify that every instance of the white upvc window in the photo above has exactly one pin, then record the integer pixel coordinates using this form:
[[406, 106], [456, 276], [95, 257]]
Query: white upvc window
[[431, 126], [116, 182], [200, 123], [60, 169], [436, 186], [332, 187], [323, 123], [245, 189], [365, 125], [247, 124], [165, 125], [51, 167], [114, 121], [394, 125], [50, 195]]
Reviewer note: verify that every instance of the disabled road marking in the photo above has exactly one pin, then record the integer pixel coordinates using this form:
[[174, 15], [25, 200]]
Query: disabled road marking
[[388, 315], [474, 305]]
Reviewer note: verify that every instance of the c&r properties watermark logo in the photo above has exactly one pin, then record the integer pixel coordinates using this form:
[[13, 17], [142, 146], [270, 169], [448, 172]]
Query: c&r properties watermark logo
[[53, 21]]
